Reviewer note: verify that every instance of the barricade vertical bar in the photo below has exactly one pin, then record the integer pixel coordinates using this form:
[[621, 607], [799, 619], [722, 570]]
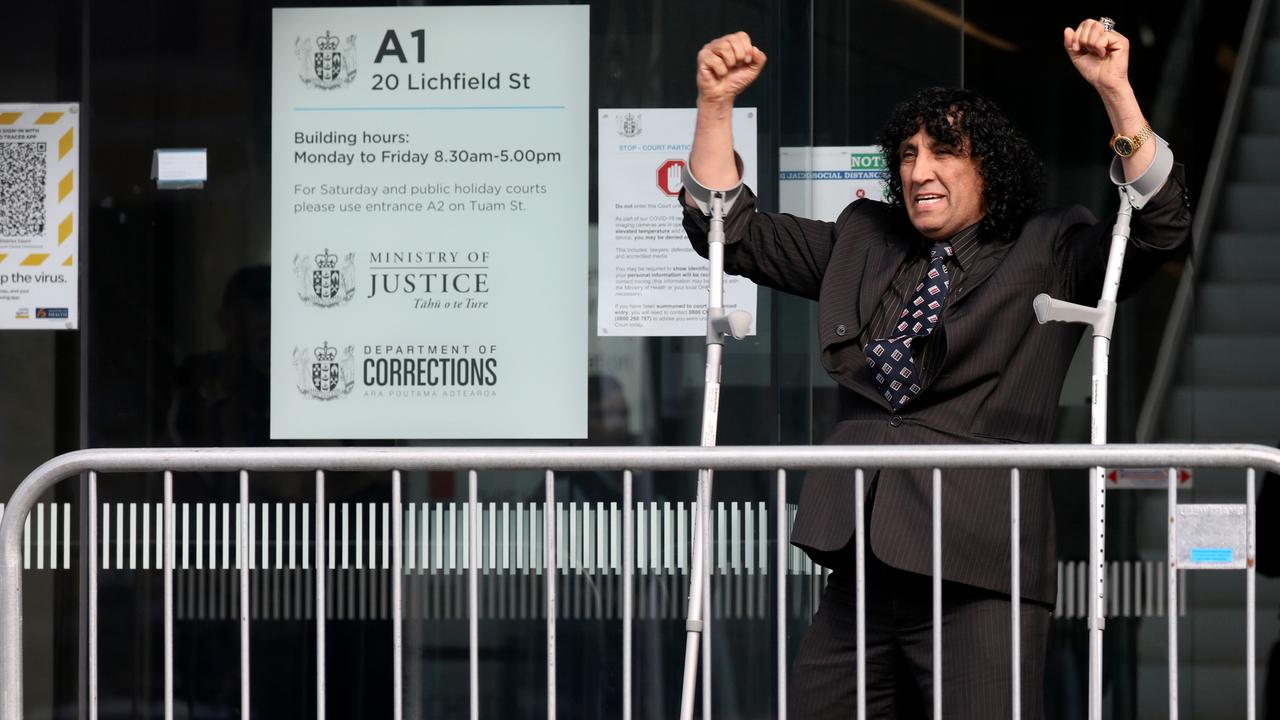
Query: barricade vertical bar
[[860, 587], [708, 574], [397, 598], [168, 594], [628, 589], [696, 622], [780, 581], [1095, 596], [549, 576], [245, 551], [937, 594], [1015, 588], [1251, 630], [1172, 605], [322, 568], [473, 591], [93, 595]]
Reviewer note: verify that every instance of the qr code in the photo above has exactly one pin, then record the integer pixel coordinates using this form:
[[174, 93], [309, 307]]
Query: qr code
[[22, 189]]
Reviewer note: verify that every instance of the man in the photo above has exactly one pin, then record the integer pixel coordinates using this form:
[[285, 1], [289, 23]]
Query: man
[[925, 321]]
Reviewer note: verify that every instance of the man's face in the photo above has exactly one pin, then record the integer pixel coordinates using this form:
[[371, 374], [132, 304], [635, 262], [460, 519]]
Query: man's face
[[941, 186]]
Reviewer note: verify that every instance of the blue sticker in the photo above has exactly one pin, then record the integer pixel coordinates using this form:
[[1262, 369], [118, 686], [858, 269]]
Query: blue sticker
[[1210, 555]]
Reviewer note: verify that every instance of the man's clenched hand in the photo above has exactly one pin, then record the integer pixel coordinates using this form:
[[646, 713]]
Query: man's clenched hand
[[1100, 56], [726, 67]]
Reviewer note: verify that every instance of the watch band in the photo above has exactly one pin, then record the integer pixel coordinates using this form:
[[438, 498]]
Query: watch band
[[1125, 146]]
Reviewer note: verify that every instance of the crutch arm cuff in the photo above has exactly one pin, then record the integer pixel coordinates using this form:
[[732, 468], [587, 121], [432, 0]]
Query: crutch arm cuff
[[701, 194], [1144, 187]]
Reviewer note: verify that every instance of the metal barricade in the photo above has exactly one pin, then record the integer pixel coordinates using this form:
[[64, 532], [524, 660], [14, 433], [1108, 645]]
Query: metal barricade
[[778, 460]]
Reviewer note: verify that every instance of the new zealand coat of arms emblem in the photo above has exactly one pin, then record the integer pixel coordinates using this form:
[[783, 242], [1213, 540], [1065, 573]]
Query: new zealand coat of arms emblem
[[322, 374], [326, 61], [321, 281], [629, 125]]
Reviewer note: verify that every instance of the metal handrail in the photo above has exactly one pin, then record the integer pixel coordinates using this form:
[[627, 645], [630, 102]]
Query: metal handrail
[[400, 459], [1224, 143]]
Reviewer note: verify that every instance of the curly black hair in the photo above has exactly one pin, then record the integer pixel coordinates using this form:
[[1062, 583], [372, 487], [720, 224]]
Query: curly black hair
[[1012, 175]]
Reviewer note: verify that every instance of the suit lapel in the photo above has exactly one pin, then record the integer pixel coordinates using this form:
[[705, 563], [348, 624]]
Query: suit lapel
[[883, 260], [984, 263]]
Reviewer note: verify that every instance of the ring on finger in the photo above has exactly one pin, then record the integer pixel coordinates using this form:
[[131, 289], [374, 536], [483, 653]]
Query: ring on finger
[[1107, 23]]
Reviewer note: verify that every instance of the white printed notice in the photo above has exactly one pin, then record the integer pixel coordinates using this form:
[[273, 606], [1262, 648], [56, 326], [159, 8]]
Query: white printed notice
[[39, 218], [819, 182], [429, 222], [652, 283]]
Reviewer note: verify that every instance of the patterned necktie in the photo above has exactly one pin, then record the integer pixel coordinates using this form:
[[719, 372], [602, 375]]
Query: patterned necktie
[[890, 358]]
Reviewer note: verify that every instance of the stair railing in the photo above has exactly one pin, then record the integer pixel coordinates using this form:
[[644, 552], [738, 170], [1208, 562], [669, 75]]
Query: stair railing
[[1205, 212]]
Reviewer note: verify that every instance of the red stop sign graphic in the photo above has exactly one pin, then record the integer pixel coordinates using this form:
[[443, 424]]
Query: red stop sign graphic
[[669, 177]]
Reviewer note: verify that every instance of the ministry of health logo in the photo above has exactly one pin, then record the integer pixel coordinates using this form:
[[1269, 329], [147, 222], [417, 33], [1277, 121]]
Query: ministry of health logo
[[322, 373], [326, 61], [321, 281]]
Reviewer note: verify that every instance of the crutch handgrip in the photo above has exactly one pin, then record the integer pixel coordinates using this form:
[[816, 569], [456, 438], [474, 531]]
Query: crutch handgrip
[[1051, 310], [1100, 318]]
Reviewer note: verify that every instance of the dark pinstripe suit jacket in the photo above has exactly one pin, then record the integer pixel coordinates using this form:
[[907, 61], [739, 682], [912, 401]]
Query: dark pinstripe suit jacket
[[998, 381]]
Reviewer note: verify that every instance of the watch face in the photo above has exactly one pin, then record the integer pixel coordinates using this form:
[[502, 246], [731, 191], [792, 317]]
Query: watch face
[[1124, 146]]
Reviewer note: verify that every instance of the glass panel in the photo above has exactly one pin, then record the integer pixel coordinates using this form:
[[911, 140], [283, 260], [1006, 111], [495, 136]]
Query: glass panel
[[175, 352]]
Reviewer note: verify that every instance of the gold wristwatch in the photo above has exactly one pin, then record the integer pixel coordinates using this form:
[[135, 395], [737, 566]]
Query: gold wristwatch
[[1125, 146]]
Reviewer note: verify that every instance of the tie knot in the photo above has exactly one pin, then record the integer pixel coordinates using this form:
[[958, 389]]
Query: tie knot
[[941, 250]]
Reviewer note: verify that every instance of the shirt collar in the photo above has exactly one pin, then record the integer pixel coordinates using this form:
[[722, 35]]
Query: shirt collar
[[964, 243]]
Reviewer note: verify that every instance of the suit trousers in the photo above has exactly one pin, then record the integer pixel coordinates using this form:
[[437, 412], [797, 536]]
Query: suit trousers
[[976, 660]]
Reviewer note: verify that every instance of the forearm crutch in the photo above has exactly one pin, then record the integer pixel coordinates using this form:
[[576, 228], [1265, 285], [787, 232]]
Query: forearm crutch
[[716, 203], [1102, 319]]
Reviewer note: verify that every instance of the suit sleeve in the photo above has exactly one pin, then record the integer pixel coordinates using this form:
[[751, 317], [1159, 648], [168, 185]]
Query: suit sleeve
[[777, 250], [1159, 232]]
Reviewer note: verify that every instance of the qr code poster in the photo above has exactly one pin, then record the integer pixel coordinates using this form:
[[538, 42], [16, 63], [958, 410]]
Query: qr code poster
[[39, 223]]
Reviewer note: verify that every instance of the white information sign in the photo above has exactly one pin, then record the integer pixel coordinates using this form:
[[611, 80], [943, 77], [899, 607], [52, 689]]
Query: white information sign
[[819, 182], [180, 169], [652, 283], [429, 222], [39, 219]]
